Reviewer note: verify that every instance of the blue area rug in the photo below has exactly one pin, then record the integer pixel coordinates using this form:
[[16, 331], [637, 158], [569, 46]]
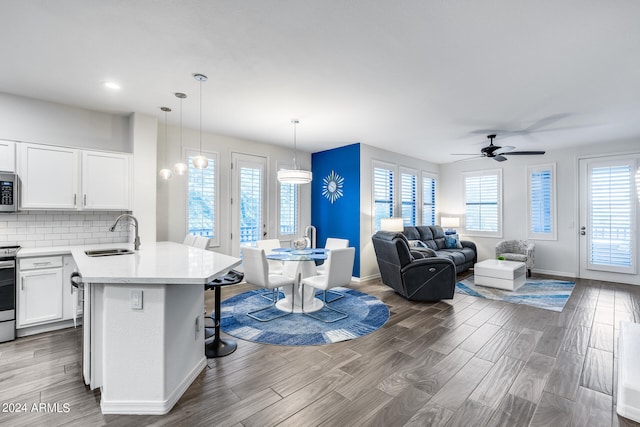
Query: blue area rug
[[366, 314], [548, 294]]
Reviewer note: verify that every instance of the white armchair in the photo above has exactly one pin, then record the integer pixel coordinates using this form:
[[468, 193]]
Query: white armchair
[[518, 250]]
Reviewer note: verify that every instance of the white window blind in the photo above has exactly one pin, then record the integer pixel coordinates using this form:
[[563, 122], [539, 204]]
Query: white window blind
[[428, 200], [542, 211], [483, 203], [201, 215], [408, 195], [382, 195], [611, 216], [288, 209], [250, 205]]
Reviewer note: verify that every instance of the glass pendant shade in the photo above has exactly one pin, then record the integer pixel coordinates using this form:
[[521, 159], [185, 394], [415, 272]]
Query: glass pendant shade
[[294, 176], [200, 162], [165, 174], [180, 168]]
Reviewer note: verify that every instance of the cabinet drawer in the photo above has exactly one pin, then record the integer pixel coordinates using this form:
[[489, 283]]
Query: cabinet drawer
[[40, 262]]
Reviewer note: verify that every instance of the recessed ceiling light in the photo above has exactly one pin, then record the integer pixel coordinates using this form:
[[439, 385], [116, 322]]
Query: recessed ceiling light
[[111, 85]]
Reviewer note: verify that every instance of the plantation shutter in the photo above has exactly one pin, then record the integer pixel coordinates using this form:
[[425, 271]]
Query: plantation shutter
[[201, 193], [382, 195], [428, 200], [250, 205], [611, 217], [409, 198], [288, 209], [482, 195]]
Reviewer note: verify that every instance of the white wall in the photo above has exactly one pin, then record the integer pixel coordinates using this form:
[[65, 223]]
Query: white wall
[[34, 120], [559, 257], [369, 154], [144, 136], [172, 194]]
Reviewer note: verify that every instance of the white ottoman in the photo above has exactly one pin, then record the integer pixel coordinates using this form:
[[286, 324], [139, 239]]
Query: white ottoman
[[493, 273]]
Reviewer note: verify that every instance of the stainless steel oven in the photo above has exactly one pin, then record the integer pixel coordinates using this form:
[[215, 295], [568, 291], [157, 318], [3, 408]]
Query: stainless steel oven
[[9, 186], [8, 293]]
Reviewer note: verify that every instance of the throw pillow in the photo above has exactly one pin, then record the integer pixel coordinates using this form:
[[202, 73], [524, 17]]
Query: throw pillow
[[452, 241], [417, 244]]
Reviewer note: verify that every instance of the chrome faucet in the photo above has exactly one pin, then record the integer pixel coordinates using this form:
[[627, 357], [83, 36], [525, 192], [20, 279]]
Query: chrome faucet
[[136, 241]]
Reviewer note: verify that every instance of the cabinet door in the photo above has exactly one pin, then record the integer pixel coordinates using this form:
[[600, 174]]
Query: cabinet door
[[105, 181], [7, 156], [49, 177], [39, 296], [71, 297]]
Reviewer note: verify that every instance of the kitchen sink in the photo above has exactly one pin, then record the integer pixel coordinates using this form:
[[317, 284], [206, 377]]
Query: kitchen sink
[[108, 252]]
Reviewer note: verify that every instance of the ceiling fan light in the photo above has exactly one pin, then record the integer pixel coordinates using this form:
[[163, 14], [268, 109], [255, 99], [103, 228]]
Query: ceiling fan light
[[294, 176], [200, 162], [180, 168]]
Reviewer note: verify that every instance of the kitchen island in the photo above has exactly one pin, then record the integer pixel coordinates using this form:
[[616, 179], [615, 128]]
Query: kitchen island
[[144, 323]]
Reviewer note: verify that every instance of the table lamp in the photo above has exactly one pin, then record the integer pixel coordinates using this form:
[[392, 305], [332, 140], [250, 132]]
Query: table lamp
[[450, 223], [392, 224]]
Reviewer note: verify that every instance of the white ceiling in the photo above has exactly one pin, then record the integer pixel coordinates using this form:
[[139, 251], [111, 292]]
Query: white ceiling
[[424, 78]]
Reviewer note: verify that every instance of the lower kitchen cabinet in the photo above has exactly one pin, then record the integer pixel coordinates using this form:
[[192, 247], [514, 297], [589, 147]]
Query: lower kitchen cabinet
[[40, 291]]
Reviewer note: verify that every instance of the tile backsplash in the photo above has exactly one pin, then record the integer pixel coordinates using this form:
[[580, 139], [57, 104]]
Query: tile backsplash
[[31, 229]]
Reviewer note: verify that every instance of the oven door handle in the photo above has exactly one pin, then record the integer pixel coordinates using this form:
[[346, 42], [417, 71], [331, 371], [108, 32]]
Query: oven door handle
[[76, 283], [7, 264]]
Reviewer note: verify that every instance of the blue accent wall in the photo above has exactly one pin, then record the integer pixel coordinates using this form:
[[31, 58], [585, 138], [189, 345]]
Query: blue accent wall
[[341, 218]]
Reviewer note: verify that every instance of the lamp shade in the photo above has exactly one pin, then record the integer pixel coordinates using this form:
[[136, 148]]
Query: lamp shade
[[294, 176], [392, 224], [450, 221]]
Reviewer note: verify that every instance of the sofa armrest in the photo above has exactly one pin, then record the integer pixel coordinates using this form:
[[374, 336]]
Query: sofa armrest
[[469, 244]]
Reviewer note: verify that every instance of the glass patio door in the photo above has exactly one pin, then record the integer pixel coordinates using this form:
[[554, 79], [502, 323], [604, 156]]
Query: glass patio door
[[248, 200], [608, 219]]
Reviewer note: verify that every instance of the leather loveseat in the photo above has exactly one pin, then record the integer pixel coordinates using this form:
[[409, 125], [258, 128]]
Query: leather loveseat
[[433, 237], [410, 273]]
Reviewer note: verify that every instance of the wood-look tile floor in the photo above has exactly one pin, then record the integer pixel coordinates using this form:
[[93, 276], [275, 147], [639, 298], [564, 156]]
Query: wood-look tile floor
[[463, 362]]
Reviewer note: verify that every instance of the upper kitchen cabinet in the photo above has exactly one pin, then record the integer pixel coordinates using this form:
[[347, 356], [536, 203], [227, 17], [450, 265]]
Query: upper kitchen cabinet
[[49, 177], [105, 181], [59, 178], [7, 156]]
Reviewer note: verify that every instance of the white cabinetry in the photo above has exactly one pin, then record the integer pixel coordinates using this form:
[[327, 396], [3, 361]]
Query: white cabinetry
[[49, 177], [59, 178], [39, 291], [7, 156], [105, 181]]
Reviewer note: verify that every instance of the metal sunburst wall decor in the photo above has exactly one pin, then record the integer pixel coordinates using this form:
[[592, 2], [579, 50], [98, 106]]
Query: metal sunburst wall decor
[[332, 186]]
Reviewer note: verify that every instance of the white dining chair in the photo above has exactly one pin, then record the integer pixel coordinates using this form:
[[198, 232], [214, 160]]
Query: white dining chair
[[332, 243], [202, 242], [338, 273], [189, 240], [275, 266], [256, 272]]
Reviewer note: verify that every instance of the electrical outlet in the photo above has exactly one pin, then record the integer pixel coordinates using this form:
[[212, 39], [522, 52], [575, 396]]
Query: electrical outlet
[[136, 299]]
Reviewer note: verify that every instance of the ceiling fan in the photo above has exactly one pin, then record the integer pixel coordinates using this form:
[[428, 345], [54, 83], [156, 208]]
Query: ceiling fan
[[497, 153]]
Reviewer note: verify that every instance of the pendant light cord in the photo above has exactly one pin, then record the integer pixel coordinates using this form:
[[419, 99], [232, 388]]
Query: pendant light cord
[[295, 149]]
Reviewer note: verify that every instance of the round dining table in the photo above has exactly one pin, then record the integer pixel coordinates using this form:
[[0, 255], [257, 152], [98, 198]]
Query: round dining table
[[299, 263]]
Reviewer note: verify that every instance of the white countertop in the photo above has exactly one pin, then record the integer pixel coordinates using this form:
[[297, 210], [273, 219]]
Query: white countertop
[[155, 263]]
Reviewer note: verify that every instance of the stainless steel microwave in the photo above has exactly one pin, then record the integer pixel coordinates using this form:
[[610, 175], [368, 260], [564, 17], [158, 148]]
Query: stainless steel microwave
[[9, 191]]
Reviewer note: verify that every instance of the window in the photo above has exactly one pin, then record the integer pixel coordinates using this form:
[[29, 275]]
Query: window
[[483, 199], [382, 194], [201, 198], [428, 199], [542, 202], [408, 196], [288, 209], [612, 215]]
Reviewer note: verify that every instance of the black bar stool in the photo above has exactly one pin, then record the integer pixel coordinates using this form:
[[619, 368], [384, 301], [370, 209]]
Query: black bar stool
[[214, 346]]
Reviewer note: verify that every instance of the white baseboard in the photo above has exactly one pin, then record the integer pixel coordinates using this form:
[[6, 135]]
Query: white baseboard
[[555, 273], [365, 279]]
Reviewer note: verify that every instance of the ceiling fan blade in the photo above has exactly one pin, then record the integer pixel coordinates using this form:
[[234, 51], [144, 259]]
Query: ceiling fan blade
[[464, 154], [499, 158], [504, 149], [469, 158], [523, 153]]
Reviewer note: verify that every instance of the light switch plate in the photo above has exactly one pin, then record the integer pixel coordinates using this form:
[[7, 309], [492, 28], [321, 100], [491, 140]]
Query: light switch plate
[[136, 299]]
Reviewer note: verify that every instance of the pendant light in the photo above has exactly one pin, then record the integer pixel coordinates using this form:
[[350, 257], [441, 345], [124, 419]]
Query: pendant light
[[295, 175], [180, 168], [200, 161], [165, 173]]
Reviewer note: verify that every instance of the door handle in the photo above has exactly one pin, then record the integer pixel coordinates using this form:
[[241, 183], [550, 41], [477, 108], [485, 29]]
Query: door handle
[[583, 231]]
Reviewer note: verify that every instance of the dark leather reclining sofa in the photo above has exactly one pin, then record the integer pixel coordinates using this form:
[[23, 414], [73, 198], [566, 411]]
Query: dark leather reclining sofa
[[427, 274]]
